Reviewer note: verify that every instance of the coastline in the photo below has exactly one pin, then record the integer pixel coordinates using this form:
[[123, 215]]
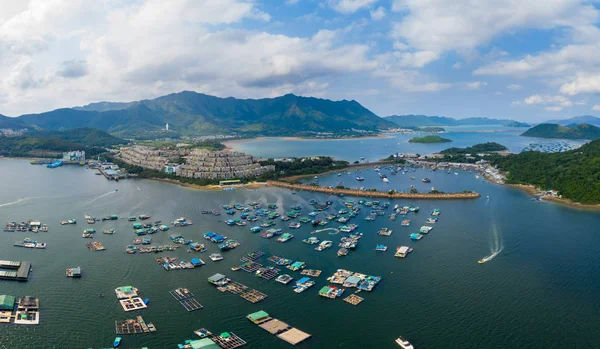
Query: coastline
[[531, 190], [231, 143], [210, 187]]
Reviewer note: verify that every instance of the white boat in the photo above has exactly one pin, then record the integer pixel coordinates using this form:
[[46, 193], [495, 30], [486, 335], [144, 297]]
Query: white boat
[[403, 343], [385, 180]]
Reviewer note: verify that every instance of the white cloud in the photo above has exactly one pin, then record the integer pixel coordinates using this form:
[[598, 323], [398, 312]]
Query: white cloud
[[457, 65], [514, 87], [475, 85], [291, 2], [349, 6], [52, 56], [416, 59], [583, 83], [596, 107], [550, 102], [378, 14], [410, 81], [464, 25]]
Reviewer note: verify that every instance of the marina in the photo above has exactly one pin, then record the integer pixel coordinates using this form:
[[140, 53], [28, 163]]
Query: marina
[[461, 239]]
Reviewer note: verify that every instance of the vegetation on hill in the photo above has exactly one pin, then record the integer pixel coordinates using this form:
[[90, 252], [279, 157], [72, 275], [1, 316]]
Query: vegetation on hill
[[86, 136], [191, 113], [27, 146], [476, 149], [301, 166], [208, 144], [429, 139], [580, 131], [575, 173]]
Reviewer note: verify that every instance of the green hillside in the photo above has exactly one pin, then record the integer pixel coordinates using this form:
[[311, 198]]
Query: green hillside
[[575, 174], [581, 131], [191, 113], [88, 136]]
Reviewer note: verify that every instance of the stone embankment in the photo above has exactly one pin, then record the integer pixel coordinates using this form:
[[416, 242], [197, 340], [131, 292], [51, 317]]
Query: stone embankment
[[375, 194]]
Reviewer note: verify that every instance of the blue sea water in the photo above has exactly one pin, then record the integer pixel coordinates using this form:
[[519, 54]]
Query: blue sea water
[[378, 148]]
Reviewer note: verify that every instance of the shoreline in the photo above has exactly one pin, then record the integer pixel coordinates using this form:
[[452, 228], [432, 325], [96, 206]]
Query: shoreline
[[531, 190], [210, 187]]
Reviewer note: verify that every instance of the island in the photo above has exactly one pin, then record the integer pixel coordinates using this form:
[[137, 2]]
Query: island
[[429, 139], [573, 131], [476, 149]]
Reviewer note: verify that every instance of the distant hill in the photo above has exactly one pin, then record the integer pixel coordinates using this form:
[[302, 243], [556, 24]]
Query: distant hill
[[192, 114], [105, 106], [582, 131], [13, 123], [584, 119], [423, 120], [87, 136], [517, 124]]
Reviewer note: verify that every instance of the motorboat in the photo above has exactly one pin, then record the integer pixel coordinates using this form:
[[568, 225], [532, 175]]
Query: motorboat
[[403, 343]]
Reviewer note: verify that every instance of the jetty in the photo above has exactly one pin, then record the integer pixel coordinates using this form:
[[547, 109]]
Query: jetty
[[278, 328], [374, 194], [13, 270]]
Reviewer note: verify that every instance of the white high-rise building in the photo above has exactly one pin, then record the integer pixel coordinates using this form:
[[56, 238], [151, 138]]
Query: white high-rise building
[[167, 127]]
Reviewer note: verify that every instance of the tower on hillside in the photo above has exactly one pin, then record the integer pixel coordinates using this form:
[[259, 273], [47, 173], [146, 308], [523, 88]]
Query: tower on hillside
[[167, 127]]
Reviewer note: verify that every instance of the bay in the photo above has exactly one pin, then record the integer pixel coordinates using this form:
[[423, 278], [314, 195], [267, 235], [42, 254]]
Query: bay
[[541, 291], [373, 149]]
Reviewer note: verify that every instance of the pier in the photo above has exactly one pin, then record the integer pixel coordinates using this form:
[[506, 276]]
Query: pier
[[375, 194]]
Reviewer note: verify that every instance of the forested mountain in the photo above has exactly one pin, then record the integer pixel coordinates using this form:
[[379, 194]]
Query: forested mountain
[[191, 113]]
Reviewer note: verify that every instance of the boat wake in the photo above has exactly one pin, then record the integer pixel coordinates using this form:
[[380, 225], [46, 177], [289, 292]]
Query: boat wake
[[496, 241], [14, 202], [99, 197]]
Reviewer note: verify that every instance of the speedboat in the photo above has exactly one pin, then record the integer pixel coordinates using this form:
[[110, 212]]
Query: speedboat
[[117, 342], [481, 261], [403, 343]]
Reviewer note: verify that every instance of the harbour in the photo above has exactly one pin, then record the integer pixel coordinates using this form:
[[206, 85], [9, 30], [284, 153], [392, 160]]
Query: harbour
[[446, 257]]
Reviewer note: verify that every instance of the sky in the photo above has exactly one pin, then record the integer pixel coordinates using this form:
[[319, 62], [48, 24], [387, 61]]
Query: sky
[[528, 60]]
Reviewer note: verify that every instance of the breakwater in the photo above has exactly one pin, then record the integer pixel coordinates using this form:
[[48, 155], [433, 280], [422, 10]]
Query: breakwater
[[375, 194]]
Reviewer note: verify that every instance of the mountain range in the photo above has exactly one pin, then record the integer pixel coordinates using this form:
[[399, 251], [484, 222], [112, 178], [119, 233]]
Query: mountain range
[[194, 114], [584, 119], [424, 120], [573, 131]]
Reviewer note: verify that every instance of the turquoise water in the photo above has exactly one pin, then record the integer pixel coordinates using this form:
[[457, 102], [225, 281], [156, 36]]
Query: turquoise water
[[378, 148], [541, 291]]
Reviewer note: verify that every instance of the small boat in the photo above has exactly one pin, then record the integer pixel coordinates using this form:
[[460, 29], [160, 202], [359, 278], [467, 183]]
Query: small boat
[[117, 342], [146, 301], [403, 343], [481, 261]]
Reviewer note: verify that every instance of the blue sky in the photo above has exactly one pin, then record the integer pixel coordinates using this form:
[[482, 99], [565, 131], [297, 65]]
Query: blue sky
[[532, 61]]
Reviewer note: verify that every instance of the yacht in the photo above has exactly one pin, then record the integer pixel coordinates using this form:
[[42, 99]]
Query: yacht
[[403, 343]]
